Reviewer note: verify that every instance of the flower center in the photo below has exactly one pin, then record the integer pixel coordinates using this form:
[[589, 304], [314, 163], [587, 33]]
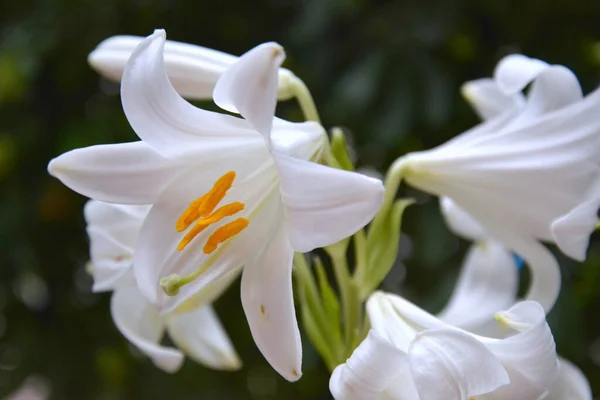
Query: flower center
[[201, 212]]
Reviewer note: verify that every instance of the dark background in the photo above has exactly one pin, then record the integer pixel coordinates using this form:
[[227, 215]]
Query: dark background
[[389, 71]]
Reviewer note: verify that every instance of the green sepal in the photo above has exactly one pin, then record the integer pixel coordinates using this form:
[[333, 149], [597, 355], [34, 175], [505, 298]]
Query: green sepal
[[339, 149], [382, 247]]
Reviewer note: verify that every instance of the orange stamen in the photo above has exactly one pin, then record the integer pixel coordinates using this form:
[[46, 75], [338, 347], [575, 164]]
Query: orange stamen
[[223, 233], [222, 212], [205, 205]]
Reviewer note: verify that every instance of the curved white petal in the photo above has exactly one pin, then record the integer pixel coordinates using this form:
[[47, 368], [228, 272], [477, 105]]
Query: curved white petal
[[324, 205], [516, 71], [488, 100], [460, 222], [127, 173], [193, 70], [249, 87], [572, 231], [449, 364], [571, 384], [373, 366], [167, 122], [488, 282], [388, 323], [200, 335], [269, 305], [304, 140], [157, 255], [554, 88], [113, 230], [139, 322], [531, 352]]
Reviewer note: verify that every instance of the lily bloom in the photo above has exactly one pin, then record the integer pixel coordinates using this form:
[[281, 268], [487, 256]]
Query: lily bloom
[[193, 70], [411, 355], [529, 174], [194, 327], [225, 191]]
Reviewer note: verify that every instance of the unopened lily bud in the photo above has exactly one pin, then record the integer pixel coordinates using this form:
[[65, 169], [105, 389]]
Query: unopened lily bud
[[193, 70]]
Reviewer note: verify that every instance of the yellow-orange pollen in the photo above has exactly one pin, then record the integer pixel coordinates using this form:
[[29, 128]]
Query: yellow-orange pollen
[[202, 212]]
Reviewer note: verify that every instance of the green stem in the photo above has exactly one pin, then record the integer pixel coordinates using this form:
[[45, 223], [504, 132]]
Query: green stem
[[305, 100], [391, 183]]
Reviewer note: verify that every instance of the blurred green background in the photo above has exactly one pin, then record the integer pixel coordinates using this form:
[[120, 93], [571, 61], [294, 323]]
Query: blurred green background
[[388, 71]]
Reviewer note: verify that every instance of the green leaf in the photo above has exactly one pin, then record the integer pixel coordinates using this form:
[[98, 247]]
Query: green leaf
[[382, 248], [331, 303]]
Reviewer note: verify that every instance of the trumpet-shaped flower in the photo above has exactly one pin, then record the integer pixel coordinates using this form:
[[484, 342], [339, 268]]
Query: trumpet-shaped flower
[[225, 191], [193, 70], [194, 327], [527, 173], [412, 355]]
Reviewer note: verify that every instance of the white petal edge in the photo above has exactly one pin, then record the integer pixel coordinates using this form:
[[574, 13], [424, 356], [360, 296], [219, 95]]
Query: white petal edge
[[488, 283], [571, 383], [488, 100], [572, 231], [268, 302], [460, 222], [516, 71], [201, 336], [449, 364], [370, 370], [324, 205], [249, 87], [139, 322], [126, 173], [166, 121]]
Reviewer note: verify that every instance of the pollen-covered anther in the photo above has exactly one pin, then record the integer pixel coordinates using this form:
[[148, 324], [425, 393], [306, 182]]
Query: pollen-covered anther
[[222, 212], [223, 233], [205, 205]]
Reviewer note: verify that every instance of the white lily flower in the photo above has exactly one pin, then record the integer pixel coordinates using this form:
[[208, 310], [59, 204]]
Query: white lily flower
[[225, 191], [193, 70], [528, 173], [193, 327], [488, 278], [412, 355]]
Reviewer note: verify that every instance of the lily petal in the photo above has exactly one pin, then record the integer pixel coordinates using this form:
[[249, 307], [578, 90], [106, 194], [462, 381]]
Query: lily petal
[[268, 302], [571, 383], [532, 351], [249, 87], [167, 122], [449, 364], [113, 230], [193, 70], [324, 205], [489, 280], [488, 100], [200, 335], [516, 71], [304, 140], [460, 222], [373, 366], [107, 173], [572, 231], [139, 322]]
